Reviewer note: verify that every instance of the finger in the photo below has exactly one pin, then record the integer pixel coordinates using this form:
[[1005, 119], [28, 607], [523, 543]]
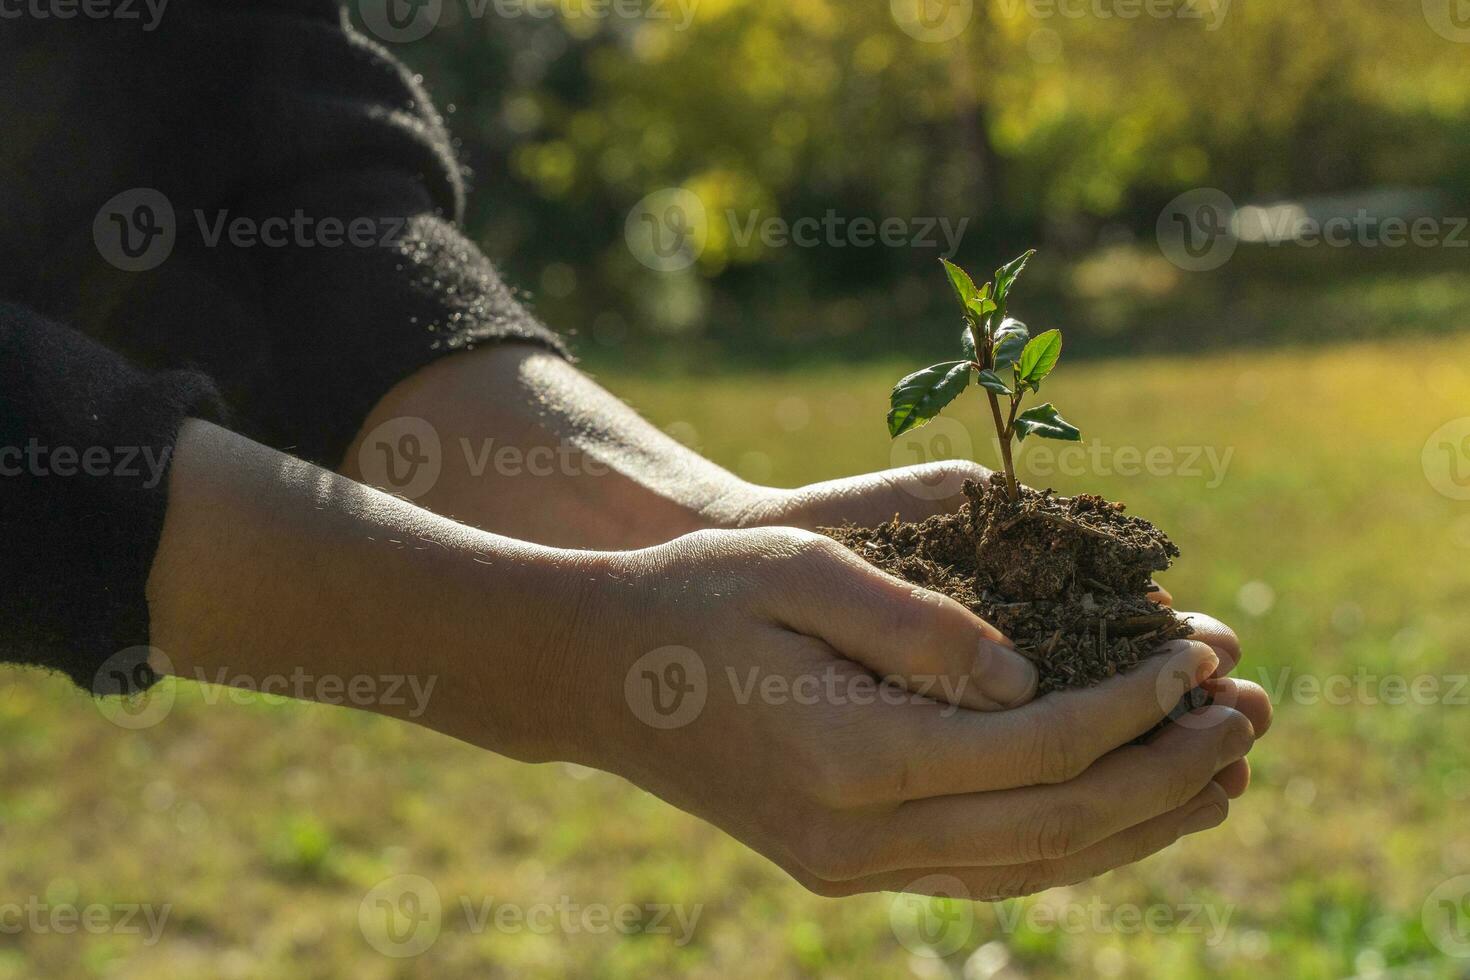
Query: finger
[[1048, 741], [1160, 595], [1208, 809], [926, 640], [1246, 697], [918, 751], [1249, 699], [1123, 789], [911, 492], [1208, 629], [1235, 778]]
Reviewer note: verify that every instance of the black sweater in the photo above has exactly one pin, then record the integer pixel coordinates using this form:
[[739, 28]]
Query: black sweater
[[246, 214]]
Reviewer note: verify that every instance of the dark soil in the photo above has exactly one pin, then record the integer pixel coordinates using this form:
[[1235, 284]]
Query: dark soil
[[1066, 578]]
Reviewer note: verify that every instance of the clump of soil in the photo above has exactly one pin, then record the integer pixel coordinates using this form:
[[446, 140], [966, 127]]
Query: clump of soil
[[1066, 578]]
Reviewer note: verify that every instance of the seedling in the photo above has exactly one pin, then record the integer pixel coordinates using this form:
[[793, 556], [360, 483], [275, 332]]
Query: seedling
[[1069, 580], [1000, 354]]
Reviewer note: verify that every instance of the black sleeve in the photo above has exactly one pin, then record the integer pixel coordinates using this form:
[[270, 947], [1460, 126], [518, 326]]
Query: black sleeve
[[276, 114], [350, 322], [369, 281], [270, 111], [85, 442]]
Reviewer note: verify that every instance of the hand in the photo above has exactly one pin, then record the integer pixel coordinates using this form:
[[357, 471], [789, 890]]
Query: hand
[[854, 797], [608, 479], [269, 567], [910, 492]]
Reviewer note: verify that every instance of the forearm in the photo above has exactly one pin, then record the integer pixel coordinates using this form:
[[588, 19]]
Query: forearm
[[269, 566], [531, 447]]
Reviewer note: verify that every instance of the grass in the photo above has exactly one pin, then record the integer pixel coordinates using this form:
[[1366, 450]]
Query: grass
[[264, 826]]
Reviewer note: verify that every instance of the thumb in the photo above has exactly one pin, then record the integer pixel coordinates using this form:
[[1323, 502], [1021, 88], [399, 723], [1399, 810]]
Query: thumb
[[928, 642], [911, 492]]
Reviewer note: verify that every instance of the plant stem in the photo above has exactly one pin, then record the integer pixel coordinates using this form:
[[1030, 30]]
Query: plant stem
[[1005, 448], [986, 356], [982, 353], [1015, 406]]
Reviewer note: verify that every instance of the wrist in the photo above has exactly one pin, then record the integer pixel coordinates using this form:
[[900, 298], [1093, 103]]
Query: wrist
[[521, 443], [526, 638]]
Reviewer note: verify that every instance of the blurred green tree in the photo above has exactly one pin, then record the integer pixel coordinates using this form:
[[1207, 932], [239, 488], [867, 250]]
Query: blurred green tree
[[1043, 120]]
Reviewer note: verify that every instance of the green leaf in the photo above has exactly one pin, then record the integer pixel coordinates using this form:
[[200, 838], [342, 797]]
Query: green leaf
[[1010, 341], [1005, 278], [922, 395], [977, 302], [967, 344], [964, 286], [984, 305], [1044, 421], [1039, 357], [991, 381]]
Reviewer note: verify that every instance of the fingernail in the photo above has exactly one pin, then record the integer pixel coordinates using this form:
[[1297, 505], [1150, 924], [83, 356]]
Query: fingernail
[[1209, 660], [991, 633], [1203, 819], [1209, 665], [1180, 654], [1233, 747], [1005, 676]]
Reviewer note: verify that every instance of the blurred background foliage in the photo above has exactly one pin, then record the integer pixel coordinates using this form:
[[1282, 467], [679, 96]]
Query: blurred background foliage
[[1336, 544], [1068, 132]]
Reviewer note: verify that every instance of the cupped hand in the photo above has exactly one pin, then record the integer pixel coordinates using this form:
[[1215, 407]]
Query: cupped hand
[[735, 674], [915, 492], [911, 492]]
